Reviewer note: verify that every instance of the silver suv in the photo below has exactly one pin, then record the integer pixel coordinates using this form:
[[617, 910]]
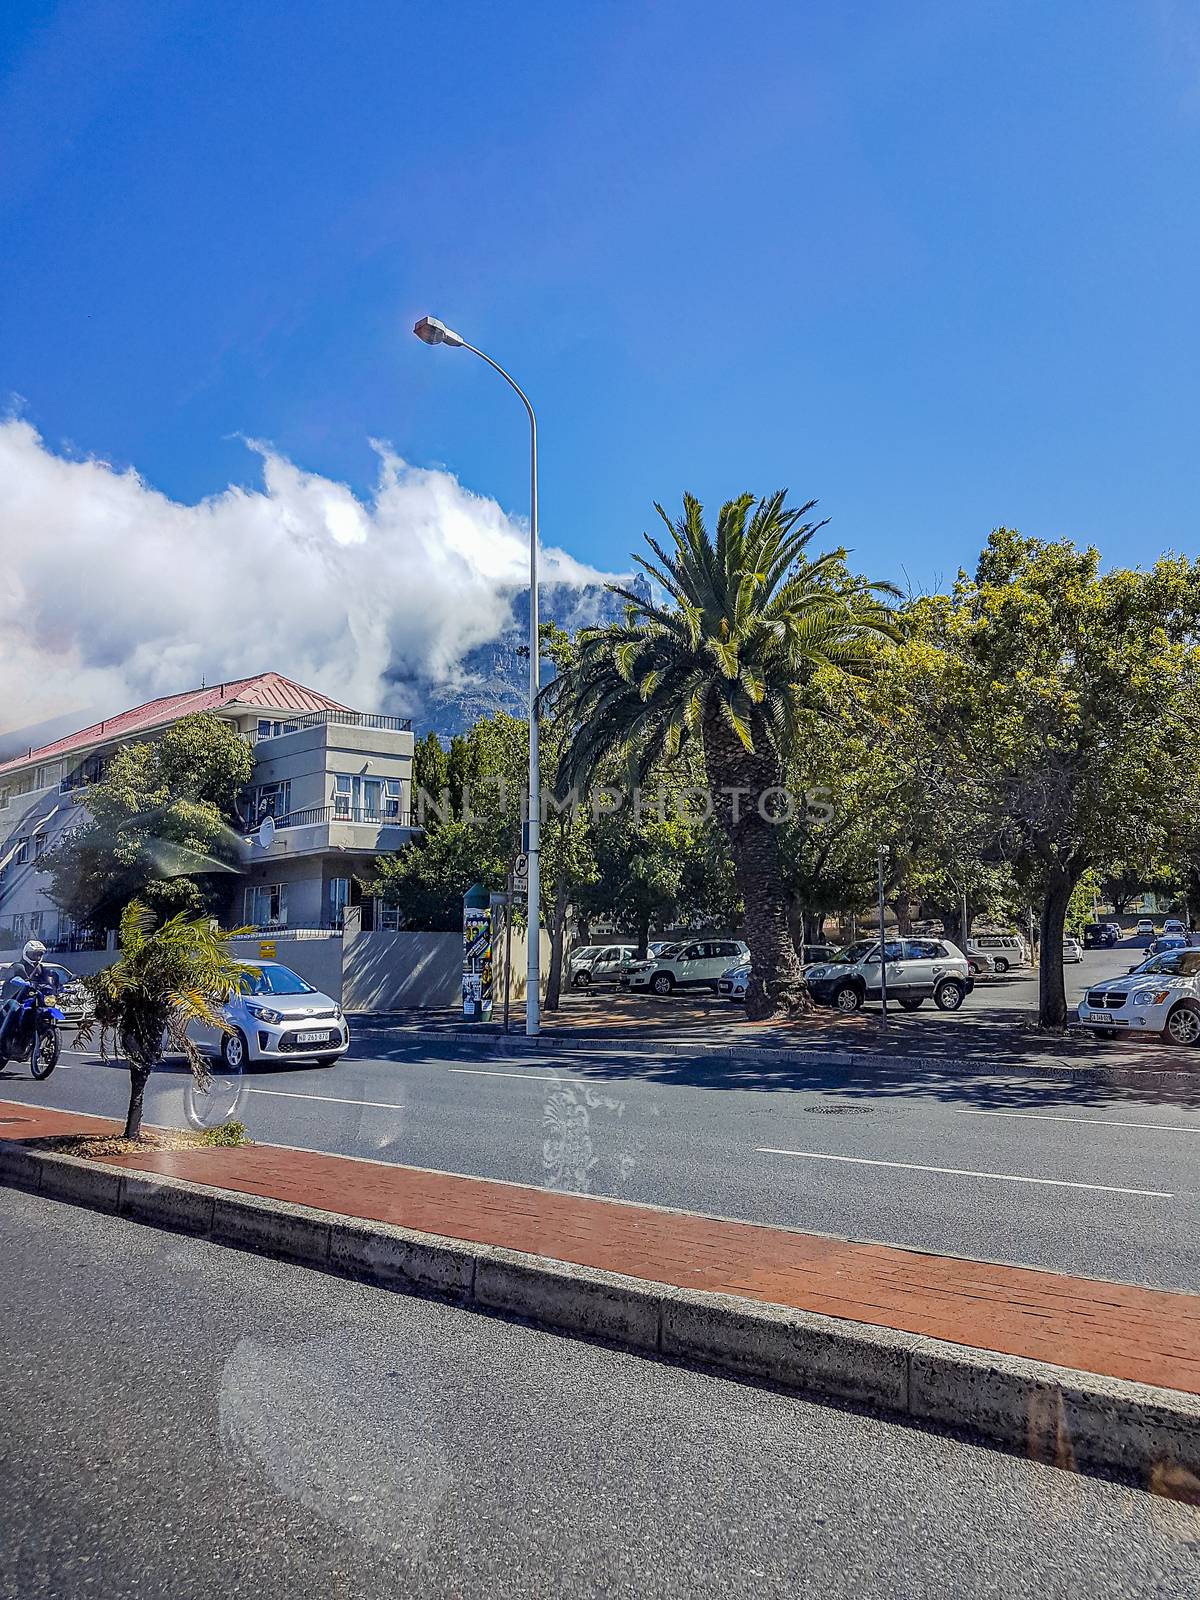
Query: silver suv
[[696, 964], [916, 970]]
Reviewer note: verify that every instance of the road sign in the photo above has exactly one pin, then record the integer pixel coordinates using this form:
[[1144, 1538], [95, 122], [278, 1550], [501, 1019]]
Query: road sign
[[266, 949], [521, 874]]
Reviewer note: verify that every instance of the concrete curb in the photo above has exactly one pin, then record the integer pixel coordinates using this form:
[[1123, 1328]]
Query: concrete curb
[[1056, 1415], [514, 1044]]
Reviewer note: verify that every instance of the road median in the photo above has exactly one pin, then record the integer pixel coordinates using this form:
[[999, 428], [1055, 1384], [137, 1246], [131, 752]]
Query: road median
[[1100, 1377]]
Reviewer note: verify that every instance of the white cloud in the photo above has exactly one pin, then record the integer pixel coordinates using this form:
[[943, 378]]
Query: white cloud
[[112, 593]]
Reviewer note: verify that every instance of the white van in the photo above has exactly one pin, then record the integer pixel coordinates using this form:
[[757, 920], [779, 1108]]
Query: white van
[[1006, 950]]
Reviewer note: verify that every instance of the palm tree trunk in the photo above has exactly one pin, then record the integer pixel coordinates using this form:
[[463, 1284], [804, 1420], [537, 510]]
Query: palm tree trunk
[[138, 1075], [739, 778]]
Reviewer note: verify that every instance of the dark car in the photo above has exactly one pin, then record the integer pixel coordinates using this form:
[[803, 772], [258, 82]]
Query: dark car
[[1099, 936]]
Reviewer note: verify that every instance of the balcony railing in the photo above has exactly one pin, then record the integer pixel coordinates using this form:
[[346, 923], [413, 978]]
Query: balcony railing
[[314, 816], [341, 719]]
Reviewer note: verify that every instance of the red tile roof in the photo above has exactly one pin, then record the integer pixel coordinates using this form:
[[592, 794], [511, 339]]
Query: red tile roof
[[269, 691]]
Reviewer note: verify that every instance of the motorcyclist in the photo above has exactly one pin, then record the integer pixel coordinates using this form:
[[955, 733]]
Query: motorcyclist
[[31, 969]]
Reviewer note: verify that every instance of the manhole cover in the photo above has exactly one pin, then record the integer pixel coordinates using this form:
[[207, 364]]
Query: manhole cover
[[837, 1111]]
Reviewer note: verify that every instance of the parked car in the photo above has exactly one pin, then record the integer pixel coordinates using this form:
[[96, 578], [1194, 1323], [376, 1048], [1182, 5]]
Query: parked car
[[1167, 941], [916, 970], [1007, 950], [1173, 925], [636, 974], [1161, 996], [1145, 928], [982, 964], [605, 965], [277, 1016], [698, 965], [1072, 949], [1099, 936], [73, 1000], [583, 954], [1117, 929], [735, 980]]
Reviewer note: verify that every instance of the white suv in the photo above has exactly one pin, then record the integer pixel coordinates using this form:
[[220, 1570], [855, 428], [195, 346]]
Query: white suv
[[1005, 950], [916, 970], [1160, 996], [698, 965]]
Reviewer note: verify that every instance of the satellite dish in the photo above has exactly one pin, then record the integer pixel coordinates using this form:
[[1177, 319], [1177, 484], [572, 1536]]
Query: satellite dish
[[266, 833]]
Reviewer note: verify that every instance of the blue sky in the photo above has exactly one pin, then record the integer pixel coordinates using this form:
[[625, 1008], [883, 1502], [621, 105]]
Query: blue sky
[[934, 263]]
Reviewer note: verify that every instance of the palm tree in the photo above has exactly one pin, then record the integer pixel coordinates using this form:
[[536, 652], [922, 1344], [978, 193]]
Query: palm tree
[[166, 976], [729, 659]]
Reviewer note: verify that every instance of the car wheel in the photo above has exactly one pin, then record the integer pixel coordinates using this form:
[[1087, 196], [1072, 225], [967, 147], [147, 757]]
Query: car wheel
[[950, 995], [235, 1052], [1001, 964], [581, 980], [1183, 1025], [848, 998], [662, 983], [911, 1005]]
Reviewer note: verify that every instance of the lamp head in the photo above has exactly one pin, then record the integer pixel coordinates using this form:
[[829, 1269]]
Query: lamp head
[[431, 331]]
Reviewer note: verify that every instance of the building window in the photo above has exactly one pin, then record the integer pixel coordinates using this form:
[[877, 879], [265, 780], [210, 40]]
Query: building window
[[266, 905], [387, 918], [274, 800], [40, 843], [339, 899], [341, 796], [21, 853], [268, 729], [48, 774], [18, 925], [35, 922], [5, 797], [393, 793]]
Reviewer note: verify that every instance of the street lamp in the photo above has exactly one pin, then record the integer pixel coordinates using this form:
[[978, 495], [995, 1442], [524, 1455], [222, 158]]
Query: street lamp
[[431, 331]]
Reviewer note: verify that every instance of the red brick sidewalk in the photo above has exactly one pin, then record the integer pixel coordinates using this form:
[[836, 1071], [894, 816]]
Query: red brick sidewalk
[[1119, 1330]]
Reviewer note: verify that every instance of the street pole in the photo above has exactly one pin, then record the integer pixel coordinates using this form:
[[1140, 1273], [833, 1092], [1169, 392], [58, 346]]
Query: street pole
[[880, 853], [964, 921], [430, 331]]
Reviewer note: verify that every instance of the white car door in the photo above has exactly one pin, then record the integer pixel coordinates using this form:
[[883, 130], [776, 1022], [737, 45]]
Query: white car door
[[689, 968]]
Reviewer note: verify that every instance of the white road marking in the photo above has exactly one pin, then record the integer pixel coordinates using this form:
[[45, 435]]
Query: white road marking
[[330, 1099], [963, 1172], [1103, 1122], [551, 1075]]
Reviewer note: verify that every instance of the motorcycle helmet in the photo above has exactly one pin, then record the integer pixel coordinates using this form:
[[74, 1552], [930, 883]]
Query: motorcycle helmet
[[33, 952]]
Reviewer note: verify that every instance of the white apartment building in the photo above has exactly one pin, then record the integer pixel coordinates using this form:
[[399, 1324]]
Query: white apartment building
[[337, 784]]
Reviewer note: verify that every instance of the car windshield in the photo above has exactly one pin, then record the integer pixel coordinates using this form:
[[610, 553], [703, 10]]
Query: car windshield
[[1173, 963], [275, 980], [852, 953]]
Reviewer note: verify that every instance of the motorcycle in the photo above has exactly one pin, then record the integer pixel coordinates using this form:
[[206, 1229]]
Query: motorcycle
[[32, 1031]]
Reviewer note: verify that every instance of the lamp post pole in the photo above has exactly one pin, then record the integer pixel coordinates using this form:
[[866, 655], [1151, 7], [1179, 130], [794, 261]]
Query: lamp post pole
[[431, 331]]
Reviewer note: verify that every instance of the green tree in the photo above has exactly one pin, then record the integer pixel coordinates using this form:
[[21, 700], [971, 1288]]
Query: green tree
[[1069, 697], [168, 975], [728, 660], [158, 826]]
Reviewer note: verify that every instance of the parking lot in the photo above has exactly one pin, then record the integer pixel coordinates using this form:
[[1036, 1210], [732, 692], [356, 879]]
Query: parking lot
[[998, 1017]]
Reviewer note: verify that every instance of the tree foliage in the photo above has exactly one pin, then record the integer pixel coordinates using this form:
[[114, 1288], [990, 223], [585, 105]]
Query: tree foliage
[[158, 827]]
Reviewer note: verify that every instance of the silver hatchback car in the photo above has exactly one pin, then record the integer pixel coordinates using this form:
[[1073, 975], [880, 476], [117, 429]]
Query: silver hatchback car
[[277, 1016]]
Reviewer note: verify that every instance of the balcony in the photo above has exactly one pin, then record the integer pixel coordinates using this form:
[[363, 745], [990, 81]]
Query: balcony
[[339, 719], [317, 829]]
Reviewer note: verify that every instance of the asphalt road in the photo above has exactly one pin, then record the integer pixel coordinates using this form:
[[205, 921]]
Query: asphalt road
[[1079, 1177], [186, 1421]]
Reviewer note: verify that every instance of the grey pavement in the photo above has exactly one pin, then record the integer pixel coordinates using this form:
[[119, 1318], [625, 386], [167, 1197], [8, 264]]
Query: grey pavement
[[186, 1421], [1082, 1176]]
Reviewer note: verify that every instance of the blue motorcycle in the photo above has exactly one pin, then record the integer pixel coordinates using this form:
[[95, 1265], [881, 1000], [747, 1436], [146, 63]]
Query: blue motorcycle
[[31, 1030]]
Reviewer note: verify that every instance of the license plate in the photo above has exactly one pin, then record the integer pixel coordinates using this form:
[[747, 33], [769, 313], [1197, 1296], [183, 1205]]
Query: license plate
[[1100, 1016], [313, 1038]]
